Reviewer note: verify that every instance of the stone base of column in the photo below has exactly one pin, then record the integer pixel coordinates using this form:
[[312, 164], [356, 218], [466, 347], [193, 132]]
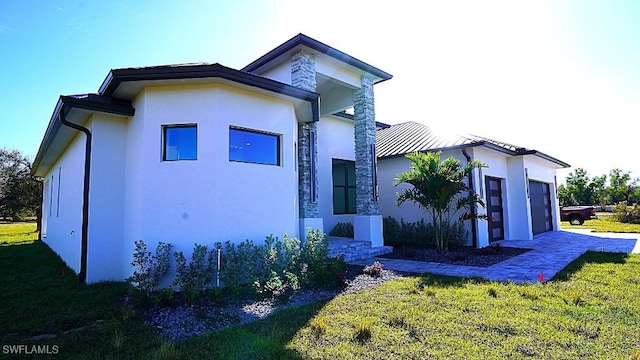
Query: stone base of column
[[368, 228], [313, 223]]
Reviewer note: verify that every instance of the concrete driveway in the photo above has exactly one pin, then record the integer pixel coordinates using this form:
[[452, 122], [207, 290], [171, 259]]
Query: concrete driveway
[[552, 251]]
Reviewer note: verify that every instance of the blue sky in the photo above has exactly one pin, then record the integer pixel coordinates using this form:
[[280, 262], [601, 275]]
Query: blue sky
[[562, 77]]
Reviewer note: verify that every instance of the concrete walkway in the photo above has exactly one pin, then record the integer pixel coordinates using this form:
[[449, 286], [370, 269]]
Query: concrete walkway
[[552, 251]]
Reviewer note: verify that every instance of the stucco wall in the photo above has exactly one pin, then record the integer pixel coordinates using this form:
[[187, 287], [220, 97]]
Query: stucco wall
[[62, 204], [388, 169], [209, 199], [280, 73], [106, 205], [519, 207], [335, 141]]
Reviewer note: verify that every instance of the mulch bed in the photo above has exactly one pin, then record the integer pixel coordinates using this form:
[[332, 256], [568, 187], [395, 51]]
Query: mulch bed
[[483, 257], [182, 321]]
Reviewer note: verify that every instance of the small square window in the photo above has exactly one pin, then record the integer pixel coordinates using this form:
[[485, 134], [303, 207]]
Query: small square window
[[254, 147], [180, 143]]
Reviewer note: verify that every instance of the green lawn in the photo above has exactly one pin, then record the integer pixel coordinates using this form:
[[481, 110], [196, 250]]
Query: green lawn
[[18, 232], [590, 310], [604, 224]]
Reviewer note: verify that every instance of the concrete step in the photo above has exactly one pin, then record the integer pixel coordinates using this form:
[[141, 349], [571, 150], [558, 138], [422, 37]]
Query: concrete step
[[355, 250]]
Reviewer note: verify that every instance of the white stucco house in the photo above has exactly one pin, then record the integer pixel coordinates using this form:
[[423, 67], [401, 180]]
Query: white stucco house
[[519, 186], [199, 153]]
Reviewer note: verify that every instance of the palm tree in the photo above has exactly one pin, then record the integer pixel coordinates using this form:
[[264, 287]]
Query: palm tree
[[439, 189]]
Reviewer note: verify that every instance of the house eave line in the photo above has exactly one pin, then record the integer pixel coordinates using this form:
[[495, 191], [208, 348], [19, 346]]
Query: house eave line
[[114, 106], [489, 145], [116, 77], [52, 130], [107, 105], [548, 158]]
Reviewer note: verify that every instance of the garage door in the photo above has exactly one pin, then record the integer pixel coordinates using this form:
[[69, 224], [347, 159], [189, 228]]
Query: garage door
[[540, 199]]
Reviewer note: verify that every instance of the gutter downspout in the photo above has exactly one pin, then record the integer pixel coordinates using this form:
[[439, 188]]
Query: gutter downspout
[[474, 231], [82, 275]]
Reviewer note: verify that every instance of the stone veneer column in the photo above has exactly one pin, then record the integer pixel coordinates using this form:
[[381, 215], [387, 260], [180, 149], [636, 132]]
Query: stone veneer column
[[367, 222], [365, 141], [303, 75]]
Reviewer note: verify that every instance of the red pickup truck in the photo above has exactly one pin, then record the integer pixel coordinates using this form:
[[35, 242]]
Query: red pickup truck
[[576, 215]]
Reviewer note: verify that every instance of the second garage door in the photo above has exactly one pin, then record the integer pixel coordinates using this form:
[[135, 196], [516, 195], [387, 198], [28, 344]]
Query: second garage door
[[540, 200]]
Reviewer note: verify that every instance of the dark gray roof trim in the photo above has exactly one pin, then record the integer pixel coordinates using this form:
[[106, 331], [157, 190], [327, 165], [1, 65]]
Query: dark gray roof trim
[[304, 40], [196, 71], [401, 139], [517, 150], [95, 102], [91, 102]]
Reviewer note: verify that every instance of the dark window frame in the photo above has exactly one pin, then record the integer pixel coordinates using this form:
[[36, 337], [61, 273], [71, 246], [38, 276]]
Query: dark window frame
[[345, 188], [164, 141], [278, 146]]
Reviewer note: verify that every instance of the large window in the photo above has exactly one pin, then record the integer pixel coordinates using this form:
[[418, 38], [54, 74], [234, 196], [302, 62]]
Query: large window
[[254, 147], [344, 186], [180, 142]]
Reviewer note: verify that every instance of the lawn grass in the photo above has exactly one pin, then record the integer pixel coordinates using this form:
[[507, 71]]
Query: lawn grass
[[37, 299], [593, 312], [589, 310], [19, 232], [604, 224]]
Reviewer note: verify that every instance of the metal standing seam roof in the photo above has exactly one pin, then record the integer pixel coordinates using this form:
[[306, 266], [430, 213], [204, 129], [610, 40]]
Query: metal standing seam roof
[[409, 137]]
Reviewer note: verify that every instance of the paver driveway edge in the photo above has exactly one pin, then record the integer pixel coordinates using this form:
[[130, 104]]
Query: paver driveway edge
[[551, 252]]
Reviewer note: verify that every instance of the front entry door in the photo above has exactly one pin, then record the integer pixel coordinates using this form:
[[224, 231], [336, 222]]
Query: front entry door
[[495, 219]]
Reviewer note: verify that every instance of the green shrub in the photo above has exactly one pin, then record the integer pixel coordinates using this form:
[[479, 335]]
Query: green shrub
[[165, 297], [194, 277], [317, 268], [457, 234], [242, 264], [342, 229], [627, 214], [419, 234], [149, 268], [280, 265], [390, 230]]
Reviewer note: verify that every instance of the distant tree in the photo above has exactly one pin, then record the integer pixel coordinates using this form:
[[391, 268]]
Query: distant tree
[[20, 193], [564, 196], [634, 198], [439, 188], [599, 187], [578, 189], [621, 186]]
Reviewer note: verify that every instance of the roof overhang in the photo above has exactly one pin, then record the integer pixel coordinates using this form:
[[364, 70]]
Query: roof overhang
[[76, 109], [300, 41], [561, 164], [127, 83]]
